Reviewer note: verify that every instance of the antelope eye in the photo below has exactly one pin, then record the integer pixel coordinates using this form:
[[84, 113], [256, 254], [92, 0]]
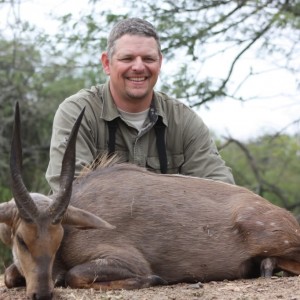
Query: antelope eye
[[21, 242]]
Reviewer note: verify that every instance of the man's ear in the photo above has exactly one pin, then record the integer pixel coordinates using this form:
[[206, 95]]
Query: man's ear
[[105, 63]]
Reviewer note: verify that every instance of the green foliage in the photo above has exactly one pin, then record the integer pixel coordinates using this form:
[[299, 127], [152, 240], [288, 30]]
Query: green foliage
[[268, 165]]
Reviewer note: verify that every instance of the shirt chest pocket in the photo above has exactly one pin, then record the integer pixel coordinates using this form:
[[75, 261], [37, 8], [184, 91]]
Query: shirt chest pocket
[[174, 163]]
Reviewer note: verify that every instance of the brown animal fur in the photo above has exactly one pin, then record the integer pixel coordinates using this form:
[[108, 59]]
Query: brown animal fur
[[179, 228]]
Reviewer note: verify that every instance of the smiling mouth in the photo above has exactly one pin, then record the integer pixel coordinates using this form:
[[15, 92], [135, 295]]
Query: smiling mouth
[[137, 79]]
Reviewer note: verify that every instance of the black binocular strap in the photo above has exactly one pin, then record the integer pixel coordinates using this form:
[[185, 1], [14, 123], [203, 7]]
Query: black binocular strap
[[112, 128], [160, 128]]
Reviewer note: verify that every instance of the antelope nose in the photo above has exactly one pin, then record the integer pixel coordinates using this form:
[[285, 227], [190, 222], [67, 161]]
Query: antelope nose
[[42, 296]]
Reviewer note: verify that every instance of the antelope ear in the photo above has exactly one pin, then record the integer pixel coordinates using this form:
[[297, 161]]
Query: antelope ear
[[8, 211], [83, 219], [6, 234]]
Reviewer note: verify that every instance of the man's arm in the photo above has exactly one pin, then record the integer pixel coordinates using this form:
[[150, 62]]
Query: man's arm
[[63, 122], [202, 158]]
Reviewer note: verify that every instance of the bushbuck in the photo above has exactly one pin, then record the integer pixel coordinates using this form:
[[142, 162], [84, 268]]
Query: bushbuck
[[123, 227]]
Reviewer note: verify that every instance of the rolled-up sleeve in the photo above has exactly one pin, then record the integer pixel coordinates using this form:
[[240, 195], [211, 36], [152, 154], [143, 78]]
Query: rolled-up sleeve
[[63, 122]]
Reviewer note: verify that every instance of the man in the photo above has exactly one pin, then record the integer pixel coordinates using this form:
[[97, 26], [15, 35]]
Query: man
[[126, 116]]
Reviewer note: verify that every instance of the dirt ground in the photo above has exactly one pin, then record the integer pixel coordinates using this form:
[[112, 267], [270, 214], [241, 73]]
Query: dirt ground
[[286, 288]]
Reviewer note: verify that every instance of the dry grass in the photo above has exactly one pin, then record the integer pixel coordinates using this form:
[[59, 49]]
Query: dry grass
[[285, 288]]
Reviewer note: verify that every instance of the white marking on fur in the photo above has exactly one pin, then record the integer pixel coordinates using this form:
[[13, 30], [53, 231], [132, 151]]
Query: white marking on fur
[[260, 223], [239, 219], [131, 206], [101, 261]]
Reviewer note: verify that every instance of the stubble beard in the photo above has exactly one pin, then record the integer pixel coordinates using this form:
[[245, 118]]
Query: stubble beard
[[136, 96]]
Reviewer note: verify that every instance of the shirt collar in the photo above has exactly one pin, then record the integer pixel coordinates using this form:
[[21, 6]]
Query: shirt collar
[[157, 105], [109, 109]]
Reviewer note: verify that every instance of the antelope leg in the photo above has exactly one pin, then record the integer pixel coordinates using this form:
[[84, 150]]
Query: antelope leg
[[268, 265], [109, 276], [289, 266]]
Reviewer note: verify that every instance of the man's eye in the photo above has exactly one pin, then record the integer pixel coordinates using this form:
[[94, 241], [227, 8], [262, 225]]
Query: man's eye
[[125, 59], [21, 242], [149, 59]]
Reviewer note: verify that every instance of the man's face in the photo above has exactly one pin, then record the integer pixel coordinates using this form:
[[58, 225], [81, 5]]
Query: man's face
[[133, 68]]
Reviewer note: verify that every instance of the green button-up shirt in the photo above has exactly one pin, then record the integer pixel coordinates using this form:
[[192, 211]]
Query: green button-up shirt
[[190, 148]]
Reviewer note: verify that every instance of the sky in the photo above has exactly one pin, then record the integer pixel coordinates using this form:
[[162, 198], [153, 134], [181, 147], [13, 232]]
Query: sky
[[277, 102]]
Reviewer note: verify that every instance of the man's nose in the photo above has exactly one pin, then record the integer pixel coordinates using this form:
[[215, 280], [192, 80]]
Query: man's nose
[[138, 64]]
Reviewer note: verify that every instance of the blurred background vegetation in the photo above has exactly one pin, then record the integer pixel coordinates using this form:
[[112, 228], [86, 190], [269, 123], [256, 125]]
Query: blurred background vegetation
[[40, 69]]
